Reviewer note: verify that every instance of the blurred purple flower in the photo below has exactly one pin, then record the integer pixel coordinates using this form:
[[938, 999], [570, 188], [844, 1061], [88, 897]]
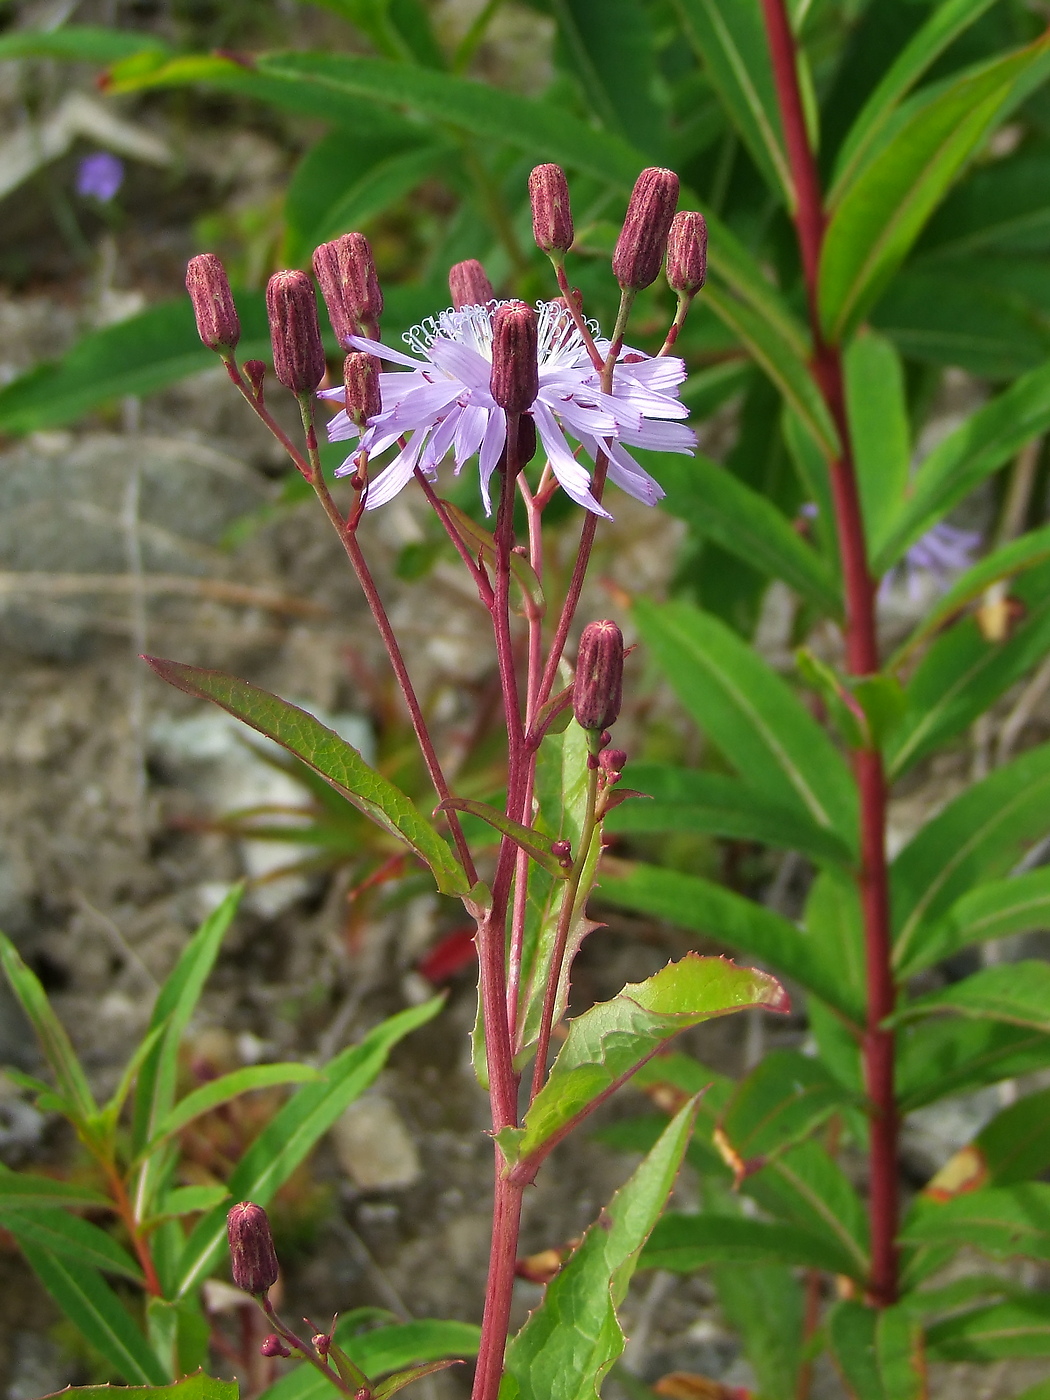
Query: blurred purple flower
[[99, 176], [940, 554]]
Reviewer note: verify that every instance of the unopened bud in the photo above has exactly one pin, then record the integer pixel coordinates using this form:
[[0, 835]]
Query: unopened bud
[[687, 252], [298, 355], [209, 289], [515, 379], [251, 1248], [561, 848], [361, 387], [611, 762], [598, 687], [469, 285], [273, 1346], [364, 295], [643, 238], [329, 263], [255, 371], [526, 445], [551, 211], [322, 1343]]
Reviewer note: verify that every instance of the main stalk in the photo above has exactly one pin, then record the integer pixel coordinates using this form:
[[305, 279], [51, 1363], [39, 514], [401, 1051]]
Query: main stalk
[[862, 658]]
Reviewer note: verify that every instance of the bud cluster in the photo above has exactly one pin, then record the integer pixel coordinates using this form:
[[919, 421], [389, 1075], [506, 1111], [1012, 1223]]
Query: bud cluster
[[346, 273]]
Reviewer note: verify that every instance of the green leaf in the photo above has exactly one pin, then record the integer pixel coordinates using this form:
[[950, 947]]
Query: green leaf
[[415, 1373], [1003, 1221], [22, 1191], [1015, 1145], [719, 506], [569, 1342], [1017, 993], [326, 753], [879, 429], [780, 359], [764, 1303], [290, 1135], [962, 674], [806, 1188], [537, 847], [606, 1044], [612, 52], [61, 1233], [683, 1243], [197, 1387], [939, 1057], [55, 1043], [879, 1352], [730, 42], [222, 1090], [349, 177], [379, 1351], [980, 835], [875, 120], [175, 1004], [999, 909], [1002, 207], [783, 1100], [981, 445], [188, 1200], [684, 799], [1009, 560], [884, 209], [694, 903], [1020, 1328], [750, 714], [79, 43], [98, 1314]]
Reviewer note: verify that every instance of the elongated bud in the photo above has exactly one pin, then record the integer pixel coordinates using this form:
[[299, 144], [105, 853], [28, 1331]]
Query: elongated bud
[[551, 210], [209, 289], [469, 284], [643, 238], [364, 295], [515, 379], [273, 1346], [687, 252], [527, 443], [330, 263], [298, 355], [255, 373], [251, 1248], [361, 386], [598, 687]]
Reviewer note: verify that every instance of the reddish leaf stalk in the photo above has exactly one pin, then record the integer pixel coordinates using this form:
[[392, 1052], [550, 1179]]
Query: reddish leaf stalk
[[862, 658]]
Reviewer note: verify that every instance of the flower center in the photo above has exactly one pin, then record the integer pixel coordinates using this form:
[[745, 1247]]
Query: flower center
[[557, 335]]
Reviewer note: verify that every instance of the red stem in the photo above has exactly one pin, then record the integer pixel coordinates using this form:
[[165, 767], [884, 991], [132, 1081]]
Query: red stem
[[862, 658], [495, 1323]]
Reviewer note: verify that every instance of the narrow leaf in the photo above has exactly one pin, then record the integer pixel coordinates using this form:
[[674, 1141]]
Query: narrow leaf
[[683, 1243], [782, 1101], [1015, 1145], [750, 714], [79, 43], [1017, 993], [1020, 1328], [67, 1235], [568, 1344], [879, 1352], [196, 1387], [806, 1188], [606, 1044], [941, 1056], [23, 1191], [694, 903], [1003, 1221], [326, 753], [998, 909], [524, 837], [227, 1087], [879, 429]]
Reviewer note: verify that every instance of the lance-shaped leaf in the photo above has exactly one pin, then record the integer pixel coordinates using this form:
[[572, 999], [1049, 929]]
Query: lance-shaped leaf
[[1017, 1328], [879, 1352], [291, 1134], [711, 909], [222, 1090], [886, 206], [568, 1344], [23, 1191], [84, 43], [1015, 1145], [1017, 993], [610, 1041], [999, 909], [683, 1243], [782, 1101], [61, 1233], [879, 428], [326, 753], [526, 838], [942, 1056], [58, 1049], [806, 1188], [195, 1387]]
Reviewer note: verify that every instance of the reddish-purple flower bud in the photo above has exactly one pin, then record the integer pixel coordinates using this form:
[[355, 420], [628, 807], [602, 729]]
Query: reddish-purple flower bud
[[251, 1248], [361, 387], [687, 252], [611, 762], [551, 210], [515, 379], [643, 238], [330, 263], [209, 289], [322, 1343], [598, 687], [255, 372], [527, 444], [298, 355], [346, 274], [469, 284], [273, 1346]]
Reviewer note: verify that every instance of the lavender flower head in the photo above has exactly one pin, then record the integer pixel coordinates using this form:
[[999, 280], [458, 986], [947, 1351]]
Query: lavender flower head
[[942, 553], [444, 404], [99, 176]]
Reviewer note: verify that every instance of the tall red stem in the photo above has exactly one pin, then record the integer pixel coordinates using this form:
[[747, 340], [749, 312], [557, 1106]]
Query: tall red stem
[[862, 658]]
